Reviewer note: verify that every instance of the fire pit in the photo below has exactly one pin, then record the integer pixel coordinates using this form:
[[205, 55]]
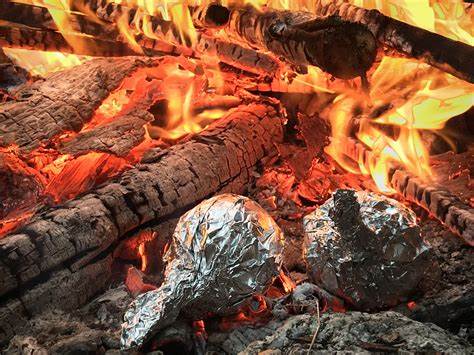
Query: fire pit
[[122, 122]]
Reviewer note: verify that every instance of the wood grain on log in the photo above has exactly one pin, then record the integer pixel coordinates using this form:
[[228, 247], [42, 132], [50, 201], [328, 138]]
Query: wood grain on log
[[117, 137], [452, 56], [41, 18], [345, 50], [64, 101], [219, 159], [35, 39]]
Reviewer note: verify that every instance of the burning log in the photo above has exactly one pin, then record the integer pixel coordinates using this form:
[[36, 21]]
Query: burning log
[[33, 27], [80, 233], [444, 205], [343, 49], [30, 38], [41, 18], [63, 102], [117, 137], [454, 57]]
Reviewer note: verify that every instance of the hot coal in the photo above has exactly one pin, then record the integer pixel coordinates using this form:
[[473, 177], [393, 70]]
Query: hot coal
[[365, 248], [222, 251]]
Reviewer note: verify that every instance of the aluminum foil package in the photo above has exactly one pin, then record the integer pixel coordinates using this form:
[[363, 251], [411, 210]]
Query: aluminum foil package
[[365, 248], [222, 251]]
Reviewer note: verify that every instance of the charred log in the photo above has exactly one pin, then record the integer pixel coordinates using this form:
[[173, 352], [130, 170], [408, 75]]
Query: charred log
[[220, 159], [117, 137], [45, 40], [64, 101], [343, 49], [452, 56], [104, 38]]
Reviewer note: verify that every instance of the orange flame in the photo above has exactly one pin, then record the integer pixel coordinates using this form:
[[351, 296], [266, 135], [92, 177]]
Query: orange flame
[[422, 98]]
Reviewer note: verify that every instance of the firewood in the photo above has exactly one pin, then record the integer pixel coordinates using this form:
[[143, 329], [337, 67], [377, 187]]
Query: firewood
[[64, 101], [345, 50], [41, 18], [104, 39], [220, 159], [117, 137], [452, 56], [30, 38], [446, 206], [239, 57]]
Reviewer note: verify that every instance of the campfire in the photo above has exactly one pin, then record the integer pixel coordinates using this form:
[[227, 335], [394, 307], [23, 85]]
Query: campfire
[[236, 176]]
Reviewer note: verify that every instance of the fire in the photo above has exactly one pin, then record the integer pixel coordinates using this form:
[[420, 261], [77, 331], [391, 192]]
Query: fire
[[395, 137], [42, 63]]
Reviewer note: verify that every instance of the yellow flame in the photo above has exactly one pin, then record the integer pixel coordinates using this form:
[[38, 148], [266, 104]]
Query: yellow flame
[[42, 63], [422, 98]]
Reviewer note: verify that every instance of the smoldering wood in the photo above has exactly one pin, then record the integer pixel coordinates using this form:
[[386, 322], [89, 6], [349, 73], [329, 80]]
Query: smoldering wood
[[117, 137], [454, 57], [345, 50], [240, 57], [106, 40], [446, 206], [64, 101], [40, 17], [36, 39], [220, 159]]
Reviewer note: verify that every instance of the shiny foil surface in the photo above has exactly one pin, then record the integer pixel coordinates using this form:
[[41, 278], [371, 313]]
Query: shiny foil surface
[[223, 250], [365, 248]]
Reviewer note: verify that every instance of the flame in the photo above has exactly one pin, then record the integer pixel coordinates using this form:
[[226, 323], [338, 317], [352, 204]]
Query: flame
[[183, 88], [42, 63], [448, 18], [423, 98]]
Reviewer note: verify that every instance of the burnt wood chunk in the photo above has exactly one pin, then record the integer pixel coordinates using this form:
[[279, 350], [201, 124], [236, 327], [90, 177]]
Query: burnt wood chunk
[[451, 56], [62, 102], [343, 49], [117, 137], [168, 182]]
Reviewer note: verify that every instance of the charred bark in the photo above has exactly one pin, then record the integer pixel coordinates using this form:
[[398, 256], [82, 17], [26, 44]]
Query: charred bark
[[35, 28], [345, 50], [117, 137], [452, 56], [62, 102], [220, 159], [36, 39]]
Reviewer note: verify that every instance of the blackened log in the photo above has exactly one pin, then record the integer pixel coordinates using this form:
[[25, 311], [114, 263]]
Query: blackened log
[[239, 57], [106, 40], [41, 18], [45, 40], [64, 101], [118, 137], [65, 289], [220, 159], [345, 50], [452, 56]]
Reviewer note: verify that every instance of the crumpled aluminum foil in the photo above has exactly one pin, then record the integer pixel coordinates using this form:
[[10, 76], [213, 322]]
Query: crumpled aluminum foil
[[222, 251], [365, 248]]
